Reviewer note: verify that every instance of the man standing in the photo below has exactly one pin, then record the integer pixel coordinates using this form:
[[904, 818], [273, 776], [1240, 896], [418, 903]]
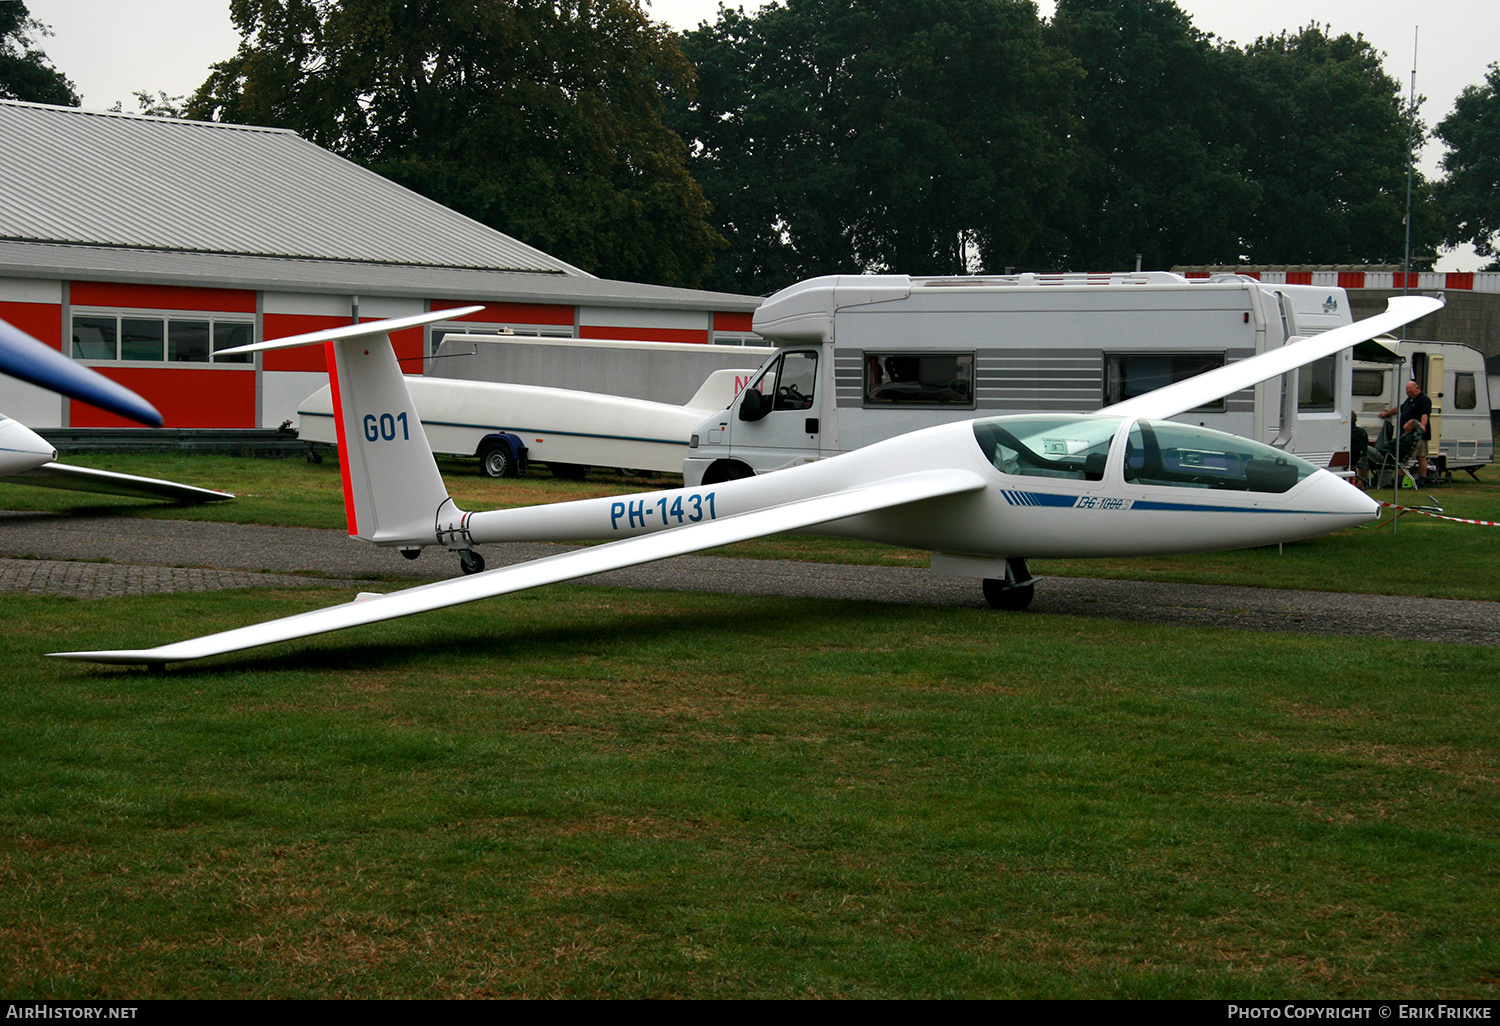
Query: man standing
[[1417, 408]]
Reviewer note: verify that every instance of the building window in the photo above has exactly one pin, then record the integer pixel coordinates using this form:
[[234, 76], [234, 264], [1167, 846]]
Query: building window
[[919, 379], [1127, 375], [159, 339]]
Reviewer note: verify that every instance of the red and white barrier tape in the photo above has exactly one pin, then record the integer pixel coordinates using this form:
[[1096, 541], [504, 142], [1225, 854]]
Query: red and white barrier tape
[[1439, 516]]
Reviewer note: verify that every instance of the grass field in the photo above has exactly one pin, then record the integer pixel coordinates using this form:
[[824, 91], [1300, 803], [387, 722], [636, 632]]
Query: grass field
[[624, 794], [584, 792]]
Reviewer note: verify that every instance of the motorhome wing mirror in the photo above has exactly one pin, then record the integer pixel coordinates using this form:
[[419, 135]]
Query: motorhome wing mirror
[[753, 405]]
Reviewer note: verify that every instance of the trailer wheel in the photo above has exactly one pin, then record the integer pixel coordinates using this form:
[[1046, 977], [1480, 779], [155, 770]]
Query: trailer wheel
[[495, 460], [569, 471]]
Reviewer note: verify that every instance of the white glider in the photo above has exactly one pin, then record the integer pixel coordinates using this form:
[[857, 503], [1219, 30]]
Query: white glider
[[984, 495]]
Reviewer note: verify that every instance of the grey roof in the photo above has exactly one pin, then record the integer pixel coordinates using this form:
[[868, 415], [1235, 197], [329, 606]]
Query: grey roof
[[153, 267], [101, 179]]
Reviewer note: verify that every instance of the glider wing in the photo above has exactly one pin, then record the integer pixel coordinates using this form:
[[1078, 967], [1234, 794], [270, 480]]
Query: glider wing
[[895, 491], [87, 479]]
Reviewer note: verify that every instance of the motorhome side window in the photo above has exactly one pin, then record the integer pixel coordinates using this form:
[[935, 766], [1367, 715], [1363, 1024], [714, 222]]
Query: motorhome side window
[[1463, 392], [1315, 385], [919, 379], [1127, 375]]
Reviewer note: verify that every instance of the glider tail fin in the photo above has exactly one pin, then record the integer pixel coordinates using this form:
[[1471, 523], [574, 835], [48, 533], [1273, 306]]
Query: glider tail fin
[[393, 493]]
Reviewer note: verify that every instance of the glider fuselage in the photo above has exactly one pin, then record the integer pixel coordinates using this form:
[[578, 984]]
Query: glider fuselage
[[1110, 486]]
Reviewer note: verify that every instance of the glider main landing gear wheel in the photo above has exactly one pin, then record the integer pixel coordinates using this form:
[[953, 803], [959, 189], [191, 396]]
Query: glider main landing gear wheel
[[1015, 592], [470, 562]]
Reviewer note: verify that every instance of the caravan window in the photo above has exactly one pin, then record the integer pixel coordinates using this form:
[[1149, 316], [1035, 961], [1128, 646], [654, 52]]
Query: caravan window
[[1315, 385], [1463, 392], [1369, 382], [919, 379], [1129, 375]]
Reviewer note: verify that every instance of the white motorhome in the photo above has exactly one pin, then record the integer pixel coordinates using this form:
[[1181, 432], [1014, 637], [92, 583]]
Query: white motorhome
[[1452, 375], [862, 358]]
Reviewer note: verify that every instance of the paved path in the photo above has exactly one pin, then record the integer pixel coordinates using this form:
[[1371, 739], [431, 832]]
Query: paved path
[[163, 555]]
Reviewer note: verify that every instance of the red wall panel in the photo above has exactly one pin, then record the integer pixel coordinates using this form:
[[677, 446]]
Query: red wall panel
[[160, 297], [513, 313], [186, 397], [42, 321], [734, 322]]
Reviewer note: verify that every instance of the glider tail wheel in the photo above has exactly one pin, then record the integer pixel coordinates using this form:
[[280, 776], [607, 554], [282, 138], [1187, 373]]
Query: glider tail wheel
[[1015, 592], [471, 562]]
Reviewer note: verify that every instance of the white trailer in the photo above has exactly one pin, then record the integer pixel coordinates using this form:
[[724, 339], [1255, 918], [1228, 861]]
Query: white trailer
[[1452, 375], [863, 358], [484, 396], [507, 426], [659, 372]]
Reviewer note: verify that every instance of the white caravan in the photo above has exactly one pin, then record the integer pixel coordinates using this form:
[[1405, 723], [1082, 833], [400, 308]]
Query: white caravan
[[864, 358], [1452, 375]]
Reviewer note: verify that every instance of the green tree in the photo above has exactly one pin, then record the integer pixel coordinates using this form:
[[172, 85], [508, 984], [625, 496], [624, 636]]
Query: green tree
[[1162, 171], [541, 118], [25, 72], [925, 136], [1469, 194], [156, 105], [1326, 140]]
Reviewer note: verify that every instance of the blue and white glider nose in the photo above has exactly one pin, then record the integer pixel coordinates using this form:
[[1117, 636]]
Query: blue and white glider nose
[[21, 448]]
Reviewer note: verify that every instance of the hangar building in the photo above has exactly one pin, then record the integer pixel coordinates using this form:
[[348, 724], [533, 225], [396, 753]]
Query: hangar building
[[142, 246]]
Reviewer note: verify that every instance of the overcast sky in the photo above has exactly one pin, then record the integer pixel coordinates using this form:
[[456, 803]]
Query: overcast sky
[[112, 49]]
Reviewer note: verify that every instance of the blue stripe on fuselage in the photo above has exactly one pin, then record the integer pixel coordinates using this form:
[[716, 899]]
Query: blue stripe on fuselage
[[1020, 498]]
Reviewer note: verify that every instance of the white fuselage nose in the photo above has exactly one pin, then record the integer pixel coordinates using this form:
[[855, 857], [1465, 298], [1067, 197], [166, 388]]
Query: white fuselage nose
[[21, 448]]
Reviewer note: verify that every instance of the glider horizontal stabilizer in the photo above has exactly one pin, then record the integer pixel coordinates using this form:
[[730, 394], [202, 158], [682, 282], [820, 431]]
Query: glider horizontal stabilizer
[[1216, 384], [106, 482], [364, 329], [891, 492]]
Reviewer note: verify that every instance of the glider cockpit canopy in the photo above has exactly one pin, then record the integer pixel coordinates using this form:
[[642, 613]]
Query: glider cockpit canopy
[[1155, 452]]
